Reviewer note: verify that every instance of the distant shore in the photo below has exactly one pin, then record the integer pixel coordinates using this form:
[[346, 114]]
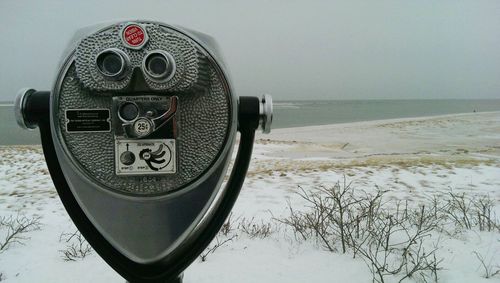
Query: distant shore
[[483, 124], [298, 114], [390, 120], [474, 135]]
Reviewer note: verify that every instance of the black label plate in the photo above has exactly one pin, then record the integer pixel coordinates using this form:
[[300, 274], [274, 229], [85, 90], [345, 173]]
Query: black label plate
[[88, 120]]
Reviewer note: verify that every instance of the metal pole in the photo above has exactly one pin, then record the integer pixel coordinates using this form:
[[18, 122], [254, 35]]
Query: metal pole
[[178, 279]]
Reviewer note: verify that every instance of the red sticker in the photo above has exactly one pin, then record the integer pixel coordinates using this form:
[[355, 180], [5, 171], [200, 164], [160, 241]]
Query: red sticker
[[134, 35]]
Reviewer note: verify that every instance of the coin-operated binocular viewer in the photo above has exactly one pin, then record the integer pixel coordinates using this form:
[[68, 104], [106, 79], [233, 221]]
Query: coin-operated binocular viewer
[[137, 133]]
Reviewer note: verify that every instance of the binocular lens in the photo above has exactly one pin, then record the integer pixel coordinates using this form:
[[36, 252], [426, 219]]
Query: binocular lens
[[111, 64], [159, 66]]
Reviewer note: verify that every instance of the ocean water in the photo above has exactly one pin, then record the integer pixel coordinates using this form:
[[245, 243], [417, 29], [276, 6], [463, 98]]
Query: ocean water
[[306, 113]]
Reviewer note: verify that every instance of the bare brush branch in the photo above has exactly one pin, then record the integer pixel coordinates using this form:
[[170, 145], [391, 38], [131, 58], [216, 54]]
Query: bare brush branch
[[228, 226], [489, 269], [256, 230], [15, 228], [77, 249], [211, 249]]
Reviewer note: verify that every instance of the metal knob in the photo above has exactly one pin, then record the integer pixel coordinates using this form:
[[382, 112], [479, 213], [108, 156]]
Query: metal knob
[[31, 107], [266, 113], [20, 108]]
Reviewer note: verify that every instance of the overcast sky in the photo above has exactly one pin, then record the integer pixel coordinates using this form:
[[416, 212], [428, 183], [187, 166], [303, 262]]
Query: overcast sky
[[290, 49]]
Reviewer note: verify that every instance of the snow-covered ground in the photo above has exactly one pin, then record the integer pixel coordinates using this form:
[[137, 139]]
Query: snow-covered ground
[[413, 159]]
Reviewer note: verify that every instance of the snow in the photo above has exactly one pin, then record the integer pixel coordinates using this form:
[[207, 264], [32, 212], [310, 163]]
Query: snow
[[414, 159]]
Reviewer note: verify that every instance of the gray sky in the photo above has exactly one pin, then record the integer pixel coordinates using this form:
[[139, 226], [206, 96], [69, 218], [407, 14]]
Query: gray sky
[[290, 49]]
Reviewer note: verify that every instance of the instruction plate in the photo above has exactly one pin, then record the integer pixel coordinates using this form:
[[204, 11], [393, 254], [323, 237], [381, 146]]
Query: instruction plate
[[145, 157], [88, 120]]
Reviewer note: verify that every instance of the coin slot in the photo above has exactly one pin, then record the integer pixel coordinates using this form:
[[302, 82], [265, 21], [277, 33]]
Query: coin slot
[[128, 111]]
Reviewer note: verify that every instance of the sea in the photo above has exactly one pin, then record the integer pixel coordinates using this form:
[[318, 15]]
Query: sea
[[289, 114]]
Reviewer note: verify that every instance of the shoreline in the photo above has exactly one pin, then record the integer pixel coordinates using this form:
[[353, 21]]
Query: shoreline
[[390, 120], [343, 125], [442, 138]]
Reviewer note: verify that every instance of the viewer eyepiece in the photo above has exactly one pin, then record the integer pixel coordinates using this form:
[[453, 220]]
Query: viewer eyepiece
[[159, 65], [112, 63]]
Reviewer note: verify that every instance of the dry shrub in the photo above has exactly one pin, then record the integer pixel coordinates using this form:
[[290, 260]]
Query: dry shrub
[[77, 248], [14, 228], [392, 243]]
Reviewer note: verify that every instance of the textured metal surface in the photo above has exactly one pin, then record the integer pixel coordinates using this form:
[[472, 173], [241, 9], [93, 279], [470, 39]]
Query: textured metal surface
[[187, 59], [203, 119]]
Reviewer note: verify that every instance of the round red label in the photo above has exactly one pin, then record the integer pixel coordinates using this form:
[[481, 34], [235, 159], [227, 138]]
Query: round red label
[[133, 35]]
